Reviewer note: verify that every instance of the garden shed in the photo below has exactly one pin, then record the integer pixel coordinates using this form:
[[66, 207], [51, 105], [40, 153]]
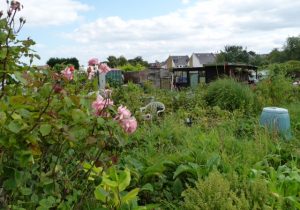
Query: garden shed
[[160, 78], [192, 76]]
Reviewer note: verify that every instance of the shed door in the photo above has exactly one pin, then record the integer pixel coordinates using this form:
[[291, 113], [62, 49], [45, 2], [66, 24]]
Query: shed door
[[194, 79]]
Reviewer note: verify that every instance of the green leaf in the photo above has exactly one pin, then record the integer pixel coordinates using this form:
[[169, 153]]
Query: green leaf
[[45, 90], [177, 187], [10, 184], [108, 182], [79, 132], [26, 191], [3, 53], [2, 118], [184, 169], [214, 160], [45, 129], [147, 187], [78, 115], [130, 196], [16, 116], [100, 121], [100, 194], [25, 113], [68, 102], [19, 77], [47, 203], [124, 179], [15, 126]]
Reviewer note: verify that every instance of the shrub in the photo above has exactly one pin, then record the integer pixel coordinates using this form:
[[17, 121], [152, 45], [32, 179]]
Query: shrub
[[230, 95], [130, 67], [212, 193], [275, 91]]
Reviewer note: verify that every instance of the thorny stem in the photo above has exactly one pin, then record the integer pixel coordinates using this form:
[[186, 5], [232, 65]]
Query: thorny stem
[[87, 174], [105, 106], [56, 162], [42, 112]]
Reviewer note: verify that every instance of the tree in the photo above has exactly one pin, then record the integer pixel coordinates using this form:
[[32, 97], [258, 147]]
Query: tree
[[122, 61], [290, 51], [138, 60], [112, 61], [65, 61], [292, 48], [233, 54], [276, 56]]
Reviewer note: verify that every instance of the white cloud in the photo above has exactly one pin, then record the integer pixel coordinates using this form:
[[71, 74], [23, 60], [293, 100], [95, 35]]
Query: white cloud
[[54, 12], [206, 26]]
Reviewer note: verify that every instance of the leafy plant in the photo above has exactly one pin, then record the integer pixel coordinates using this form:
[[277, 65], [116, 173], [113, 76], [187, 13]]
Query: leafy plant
[[230, 95], [111, 192], [212, 193]]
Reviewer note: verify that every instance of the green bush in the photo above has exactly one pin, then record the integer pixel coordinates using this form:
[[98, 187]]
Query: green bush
[[275, 91], [212, 193], [130, 67], [230, 95]]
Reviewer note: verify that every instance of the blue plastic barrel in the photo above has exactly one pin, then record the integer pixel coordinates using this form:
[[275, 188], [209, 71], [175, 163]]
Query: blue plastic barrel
[[277, 120]]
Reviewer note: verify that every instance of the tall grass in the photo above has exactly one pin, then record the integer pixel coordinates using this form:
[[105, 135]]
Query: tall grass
[[230, 95]]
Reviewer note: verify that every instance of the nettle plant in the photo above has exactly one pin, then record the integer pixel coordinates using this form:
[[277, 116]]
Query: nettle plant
[[59, 146]]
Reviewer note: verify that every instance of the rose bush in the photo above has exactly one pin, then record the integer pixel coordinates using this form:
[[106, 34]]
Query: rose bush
[[51, 130]]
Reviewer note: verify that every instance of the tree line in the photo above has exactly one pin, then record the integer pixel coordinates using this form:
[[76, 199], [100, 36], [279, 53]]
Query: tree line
[[230, 53], [239, 54]]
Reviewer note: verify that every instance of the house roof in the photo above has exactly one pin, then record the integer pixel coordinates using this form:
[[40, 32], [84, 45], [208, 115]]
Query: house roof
[[180, 60], [205, 58]]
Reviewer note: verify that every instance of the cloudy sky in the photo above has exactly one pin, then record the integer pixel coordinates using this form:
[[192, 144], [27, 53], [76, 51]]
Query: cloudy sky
[[155, 29]]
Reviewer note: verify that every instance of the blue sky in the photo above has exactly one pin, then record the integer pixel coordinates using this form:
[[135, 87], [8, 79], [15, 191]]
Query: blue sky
[[155, 29]]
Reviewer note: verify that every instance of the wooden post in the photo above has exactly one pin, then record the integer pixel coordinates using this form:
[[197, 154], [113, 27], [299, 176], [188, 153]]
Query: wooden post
[[102, 81]]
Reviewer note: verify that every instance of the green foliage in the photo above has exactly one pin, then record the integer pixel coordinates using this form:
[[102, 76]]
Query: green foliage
[[121, 62], [292, 48], [230, 95], [131, 67], [291, 51], [56, 63], [276, 90], [112, 192], [131, 95], [233, 54], [56, 154], [236, 54], [212, 193], [12, 49]]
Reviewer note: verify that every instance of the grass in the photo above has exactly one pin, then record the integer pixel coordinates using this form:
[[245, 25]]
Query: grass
[[229, 142]]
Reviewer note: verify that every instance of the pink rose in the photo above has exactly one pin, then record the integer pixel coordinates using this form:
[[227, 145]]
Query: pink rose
[[91, 72], [72, 68], [104, 68], [100, 103], [129, 125], [123, 113], [93, 61], [15, 5], [67, 73]]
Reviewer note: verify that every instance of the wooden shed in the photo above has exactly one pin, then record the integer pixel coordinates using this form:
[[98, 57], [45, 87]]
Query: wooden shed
[[191, 77]]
